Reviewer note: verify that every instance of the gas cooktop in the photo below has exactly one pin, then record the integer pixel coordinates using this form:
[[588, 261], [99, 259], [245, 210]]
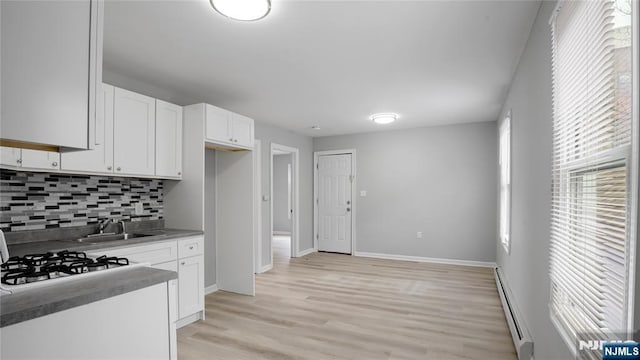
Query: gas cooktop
[[24, 272]]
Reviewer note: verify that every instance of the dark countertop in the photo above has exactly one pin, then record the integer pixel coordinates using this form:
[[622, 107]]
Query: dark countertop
[[33, 303], [57, 245], [27, 305]]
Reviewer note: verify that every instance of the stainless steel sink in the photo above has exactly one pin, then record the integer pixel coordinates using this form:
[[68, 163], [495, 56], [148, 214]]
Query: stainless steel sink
[[98, 238]]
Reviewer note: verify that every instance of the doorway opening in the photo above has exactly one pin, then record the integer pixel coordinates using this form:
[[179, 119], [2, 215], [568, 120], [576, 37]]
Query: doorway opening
[[284, 203]]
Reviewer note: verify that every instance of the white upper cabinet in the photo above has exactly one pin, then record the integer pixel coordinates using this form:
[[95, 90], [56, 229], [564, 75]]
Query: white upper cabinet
[[100, 159], [51, 66], [134, 135], [242, 130], [229, 129], [38, 160], [43, 160], [218, 125], [10, 157], [168, 140]]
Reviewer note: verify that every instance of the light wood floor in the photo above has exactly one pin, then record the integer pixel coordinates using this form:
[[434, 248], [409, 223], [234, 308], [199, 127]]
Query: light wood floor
[[330, 306]]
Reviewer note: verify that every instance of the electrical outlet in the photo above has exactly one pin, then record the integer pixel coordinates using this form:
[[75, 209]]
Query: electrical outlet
[[138, 208], [419, 235]]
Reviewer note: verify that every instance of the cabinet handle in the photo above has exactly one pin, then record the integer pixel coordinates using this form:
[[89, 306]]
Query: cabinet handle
[[190, 247], [183, 263], [118, 168], [19, 161], [179, 173], [231, 139], [109, 168], [54, 164]]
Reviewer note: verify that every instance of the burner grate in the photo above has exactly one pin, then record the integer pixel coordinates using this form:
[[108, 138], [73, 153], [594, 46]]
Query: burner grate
[[34, 268]]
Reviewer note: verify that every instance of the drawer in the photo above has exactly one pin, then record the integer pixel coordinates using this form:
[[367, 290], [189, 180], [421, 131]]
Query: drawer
[[190, 246], [153, 253]]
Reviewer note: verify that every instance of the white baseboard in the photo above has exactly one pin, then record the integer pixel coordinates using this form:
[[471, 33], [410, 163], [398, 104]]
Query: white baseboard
[[210, 289], [190, 319], [427, 259], [282, 233], [306, 252], [265, 268]]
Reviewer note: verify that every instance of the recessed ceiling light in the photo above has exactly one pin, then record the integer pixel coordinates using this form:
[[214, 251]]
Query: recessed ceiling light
[[315, 127], [383, 118], [244, 10]]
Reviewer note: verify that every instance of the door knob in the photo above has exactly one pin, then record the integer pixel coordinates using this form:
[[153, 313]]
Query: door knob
[[348, 209], [54, 164], [348, 202], [109, 168]]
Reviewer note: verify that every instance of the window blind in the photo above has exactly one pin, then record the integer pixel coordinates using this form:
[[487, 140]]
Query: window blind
[[590, 242]]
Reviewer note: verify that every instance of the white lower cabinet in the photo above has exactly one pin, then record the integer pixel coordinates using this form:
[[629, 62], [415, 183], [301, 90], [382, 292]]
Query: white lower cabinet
[[190, 286], [183, 255], [133, 325]]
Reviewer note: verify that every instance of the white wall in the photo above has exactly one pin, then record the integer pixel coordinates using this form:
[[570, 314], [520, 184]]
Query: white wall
[[439, 180], [271, 134], [281, 218], [526, 268]]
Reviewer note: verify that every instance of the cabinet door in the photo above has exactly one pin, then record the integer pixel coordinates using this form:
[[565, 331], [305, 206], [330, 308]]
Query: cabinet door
[[242, 129], [168, 139], [49, 60], [100, 159], [190, 285], [134, 119], [37, 159], [11, 157], [218, 127]]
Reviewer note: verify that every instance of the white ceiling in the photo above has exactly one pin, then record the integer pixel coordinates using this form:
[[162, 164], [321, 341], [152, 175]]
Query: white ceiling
[[327, 63]]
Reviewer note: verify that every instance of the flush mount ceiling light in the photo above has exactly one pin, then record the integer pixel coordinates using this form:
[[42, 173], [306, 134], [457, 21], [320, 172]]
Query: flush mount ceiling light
[[244, 10], [384, 118]]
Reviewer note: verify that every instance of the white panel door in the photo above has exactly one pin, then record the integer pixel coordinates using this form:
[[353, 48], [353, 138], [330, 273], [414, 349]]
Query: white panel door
[[190, 285], [100, 159], [37, 159], [10, 156], [218, 125], [134, 118], [168, 139], [334, 203], [242, 130]]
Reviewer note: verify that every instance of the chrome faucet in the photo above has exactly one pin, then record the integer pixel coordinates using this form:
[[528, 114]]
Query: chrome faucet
[[103, 224], [121, 222]]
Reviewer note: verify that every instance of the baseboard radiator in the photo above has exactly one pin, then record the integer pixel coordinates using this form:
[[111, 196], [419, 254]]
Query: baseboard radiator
[[521, 337]]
